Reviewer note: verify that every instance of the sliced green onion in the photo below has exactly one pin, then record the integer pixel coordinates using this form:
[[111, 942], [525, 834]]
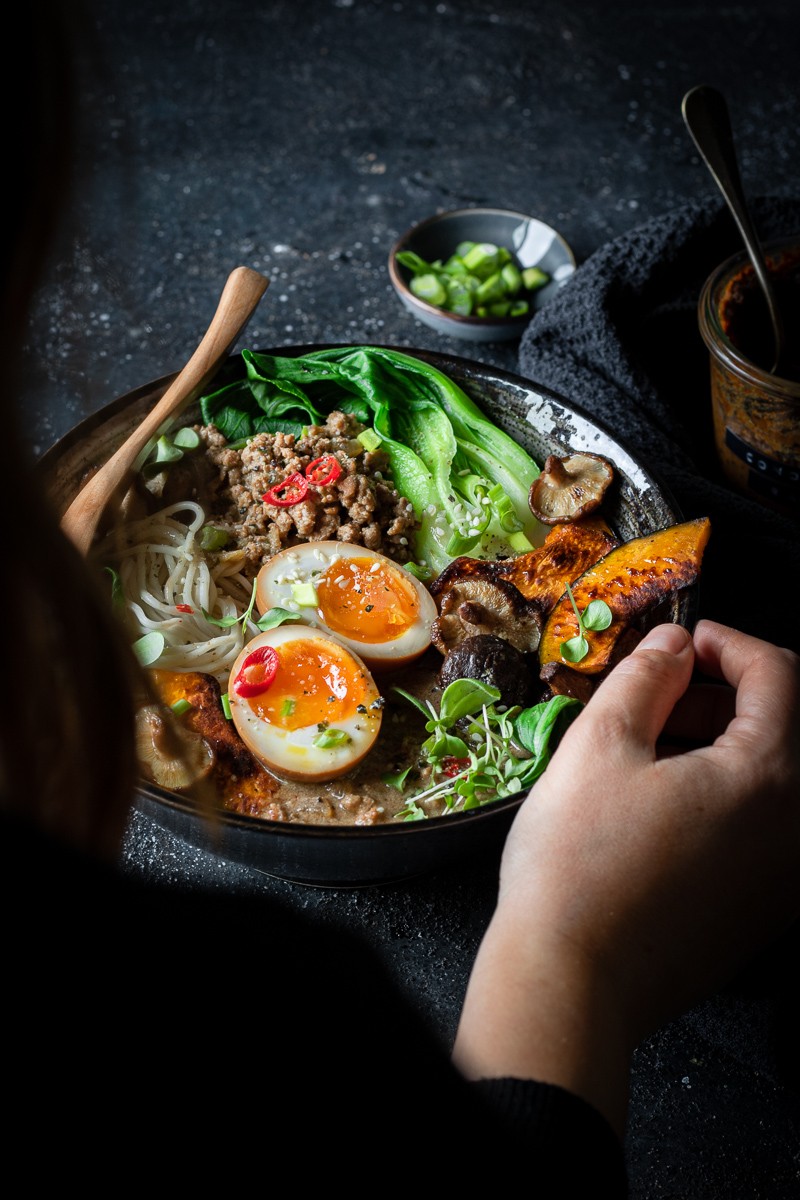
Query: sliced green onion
[[179, 707], [518, 542], [534, 277], [416, 571], [148, 649], [484, 258], [225, 701], [491, 289], [187, 438], [213, 538], [460, 543], [305, 594], [504, 509], [479, 279], [167, 451], [117, 593], [369, 439], [512, 278], [329, 739], [428, 288]]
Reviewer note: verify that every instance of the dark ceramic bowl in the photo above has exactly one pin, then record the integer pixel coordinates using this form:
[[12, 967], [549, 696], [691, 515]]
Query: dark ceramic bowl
[[355, 856], [532, 243]]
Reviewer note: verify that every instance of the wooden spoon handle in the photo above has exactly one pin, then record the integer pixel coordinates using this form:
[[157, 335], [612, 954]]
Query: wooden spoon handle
[[242, 292]]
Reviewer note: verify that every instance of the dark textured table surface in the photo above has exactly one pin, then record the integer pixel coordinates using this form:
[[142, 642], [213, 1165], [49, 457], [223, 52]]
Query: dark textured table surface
[[301, 138]]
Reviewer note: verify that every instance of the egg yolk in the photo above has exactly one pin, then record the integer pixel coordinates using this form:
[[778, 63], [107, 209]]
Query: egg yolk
[[312, 684], [366, 600]]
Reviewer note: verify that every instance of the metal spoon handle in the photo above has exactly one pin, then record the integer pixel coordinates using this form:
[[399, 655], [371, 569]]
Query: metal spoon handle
[[705, 113]]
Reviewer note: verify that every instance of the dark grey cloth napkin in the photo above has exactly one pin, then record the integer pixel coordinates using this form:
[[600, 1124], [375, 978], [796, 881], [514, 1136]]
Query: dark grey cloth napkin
[[621, 341]]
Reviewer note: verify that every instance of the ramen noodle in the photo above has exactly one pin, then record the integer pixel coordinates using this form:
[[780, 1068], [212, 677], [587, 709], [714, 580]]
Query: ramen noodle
[[169, 585]]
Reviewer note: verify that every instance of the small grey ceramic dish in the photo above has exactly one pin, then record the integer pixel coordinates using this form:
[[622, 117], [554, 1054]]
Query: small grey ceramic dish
[[363, 856], [532, 243]]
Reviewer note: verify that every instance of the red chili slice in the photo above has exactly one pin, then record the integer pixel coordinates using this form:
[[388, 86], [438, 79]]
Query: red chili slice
[[323, 471], [292, 490], [454, 766], [185, 608], [257, 672]]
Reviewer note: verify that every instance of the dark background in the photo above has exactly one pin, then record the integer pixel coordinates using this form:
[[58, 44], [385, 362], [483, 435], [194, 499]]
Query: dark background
[[301, 138]]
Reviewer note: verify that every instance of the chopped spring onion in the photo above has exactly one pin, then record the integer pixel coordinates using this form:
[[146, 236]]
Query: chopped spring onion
[[148, 649], [479, 279]]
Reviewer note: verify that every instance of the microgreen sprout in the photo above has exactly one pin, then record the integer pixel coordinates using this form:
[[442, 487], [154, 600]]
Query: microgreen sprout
[[480, 751], [595, 616], [270, 620]]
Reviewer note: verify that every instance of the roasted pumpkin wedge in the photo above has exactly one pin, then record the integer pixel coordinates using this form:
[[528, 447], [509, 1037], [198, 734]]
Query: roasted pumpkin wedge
[[566, 552], [631, 579], [539, 575], [510, 597]]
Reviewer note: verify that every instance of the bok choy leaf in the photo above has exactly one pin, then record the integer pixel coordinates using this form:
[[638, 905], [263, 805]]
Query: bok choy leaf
[[467, 480]]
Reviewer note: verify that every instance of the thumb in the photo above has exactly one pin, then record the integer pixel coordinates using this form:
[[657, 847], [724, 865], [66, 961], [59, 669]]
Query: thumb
[[641, 691]]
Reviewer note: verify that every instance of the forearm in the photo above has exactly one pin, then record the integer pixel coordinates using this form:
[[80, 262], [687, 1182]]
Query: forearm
[[534, 1009]]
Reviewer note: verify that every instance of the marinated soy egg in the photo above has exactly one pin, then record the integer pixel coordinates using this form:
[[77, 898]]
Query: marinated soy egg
[[376, 607], [304, 704]]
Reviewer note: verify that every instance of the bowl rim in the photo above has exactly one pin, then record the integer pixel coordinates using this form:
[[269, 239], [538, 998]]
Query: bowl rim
[[403, 290]]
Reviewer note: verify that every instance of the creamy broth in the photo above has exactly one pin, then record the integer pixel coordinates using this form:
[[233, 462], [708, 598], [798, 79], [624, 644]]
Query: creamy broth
[[361, 797]]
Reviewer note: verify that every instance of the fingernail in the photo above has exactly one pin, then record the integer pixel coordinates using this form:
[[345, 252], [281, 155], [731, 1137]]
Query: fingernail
[[672, 639]]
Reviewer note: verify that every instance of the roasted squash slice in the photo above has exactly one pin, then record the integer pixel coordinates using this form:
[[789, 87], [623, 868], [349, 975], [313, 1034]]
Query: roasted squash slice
[[566, 552], [631, 579], [539, 575]]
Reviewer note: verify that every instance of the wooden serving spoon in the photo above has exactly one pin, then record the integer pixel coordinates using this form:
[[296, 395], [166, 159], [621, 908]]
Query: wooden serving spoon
[[242, 292]]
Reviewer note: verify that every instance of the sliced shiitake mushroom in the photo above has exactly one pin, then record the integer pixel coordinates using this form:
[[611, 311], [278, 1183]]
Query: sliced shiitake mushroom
[[472, 605], [569, 487], [495, 661], [170, 755]]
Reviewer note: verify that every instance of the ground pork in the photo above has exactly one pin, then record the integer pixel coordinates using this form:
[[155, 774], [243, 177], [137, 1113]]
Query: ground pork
[[361, 506]]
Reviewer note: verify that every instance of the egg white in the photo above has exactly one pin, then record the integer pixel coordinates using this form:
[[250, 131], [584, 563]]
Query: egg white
[[292, 754], [287, 575]]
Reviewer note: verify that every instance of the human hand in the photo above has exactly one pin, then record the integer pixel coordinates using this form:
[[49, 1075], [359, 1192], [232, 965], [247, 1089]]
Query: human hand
[[639, 874]]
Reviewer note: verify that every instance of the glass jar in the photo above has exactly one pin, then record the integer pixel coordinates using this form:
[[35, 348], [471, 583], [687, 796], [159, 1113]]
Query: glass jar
[[756, 414]]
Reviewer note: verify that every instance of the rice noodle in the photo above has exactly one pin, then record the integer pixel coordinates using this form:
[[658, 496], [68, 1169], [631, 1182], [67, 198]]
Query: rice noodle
[[161, 566]]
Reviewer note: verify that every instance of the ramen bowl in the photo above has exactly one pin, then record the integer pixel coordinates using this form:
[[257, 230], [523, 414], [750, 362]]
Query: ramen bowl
[[360, 856]]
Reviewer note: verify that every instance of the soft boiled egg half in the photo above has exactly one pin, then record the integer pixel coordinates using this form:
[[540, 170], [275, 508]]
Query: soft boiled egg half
[[377, 608], [303, 703]]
